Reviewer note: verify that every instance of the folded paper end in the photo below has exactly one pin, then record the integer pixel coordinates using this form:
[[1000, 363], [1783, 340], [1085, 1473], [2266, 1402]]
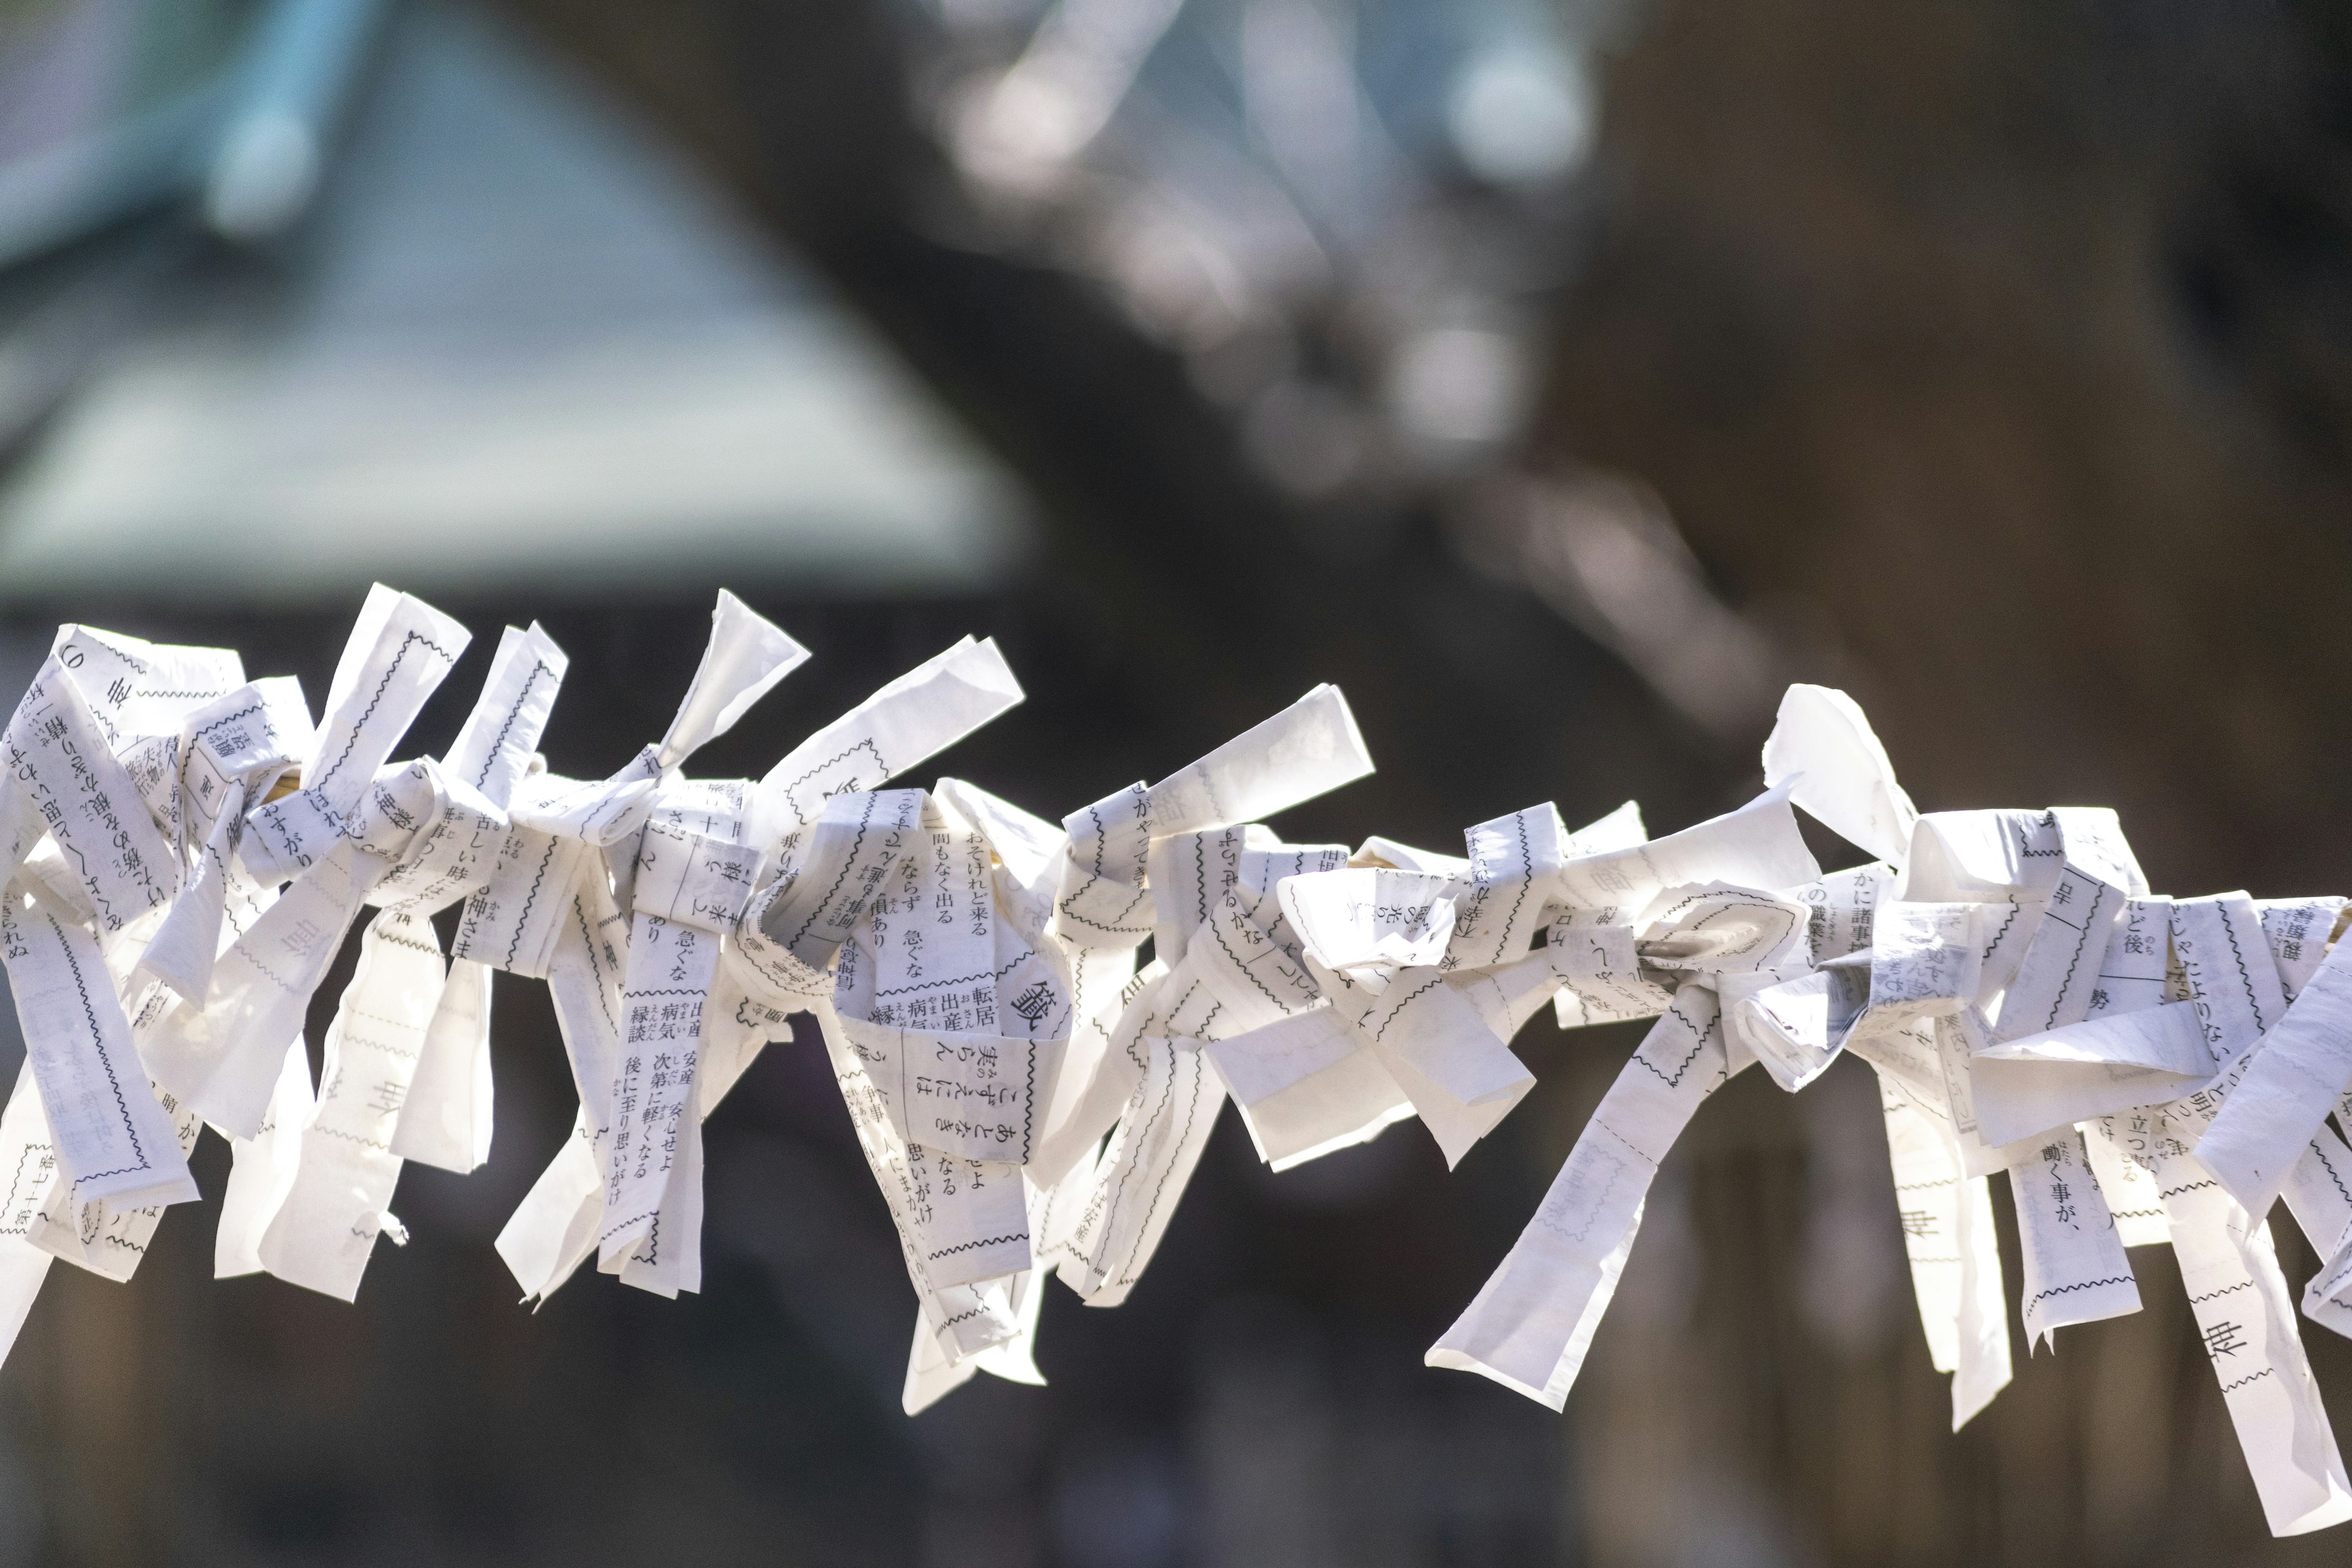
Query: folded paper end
[[1449, 1359]]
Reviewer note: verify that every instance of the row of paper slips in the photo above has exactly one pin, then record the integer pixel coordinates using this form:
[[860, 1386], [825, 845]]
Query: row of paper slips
[[184, 851]]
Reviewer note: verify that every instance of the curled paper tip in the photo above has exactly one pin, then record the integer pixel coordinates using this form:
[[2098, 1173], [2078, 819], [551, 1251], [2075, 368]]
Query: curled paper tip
[[746, 657], [1824, 750]]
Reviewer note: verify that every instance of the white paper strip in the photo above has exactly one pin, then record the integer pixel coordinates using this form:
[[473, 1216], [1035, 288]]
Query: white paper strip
[[339, 1202], [445, 1119], [1531, 1323], [2075, 1269], [746, 655], [2246, 1318], [913, 719], [1947, 1231], [58, 757], [112, 1138], [1144, 1170], [2290, 1085], [670, 968], [26, 1172], [1825, 751]]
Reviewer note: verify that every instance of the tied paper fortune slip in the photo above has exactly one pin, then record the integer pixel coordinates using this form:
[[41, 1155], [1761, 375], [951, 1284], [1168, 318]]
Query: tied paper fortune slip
[[184, 852]]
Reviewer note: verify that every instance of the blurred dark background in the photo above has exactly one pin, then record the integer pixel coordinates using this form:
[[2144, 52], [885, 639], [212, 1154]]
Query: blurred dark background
[[1559, 377]]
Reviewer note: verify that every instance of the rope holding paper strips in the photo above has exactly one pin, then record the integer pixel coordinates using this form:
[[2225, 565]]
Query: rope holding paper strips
[[183, 851]]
